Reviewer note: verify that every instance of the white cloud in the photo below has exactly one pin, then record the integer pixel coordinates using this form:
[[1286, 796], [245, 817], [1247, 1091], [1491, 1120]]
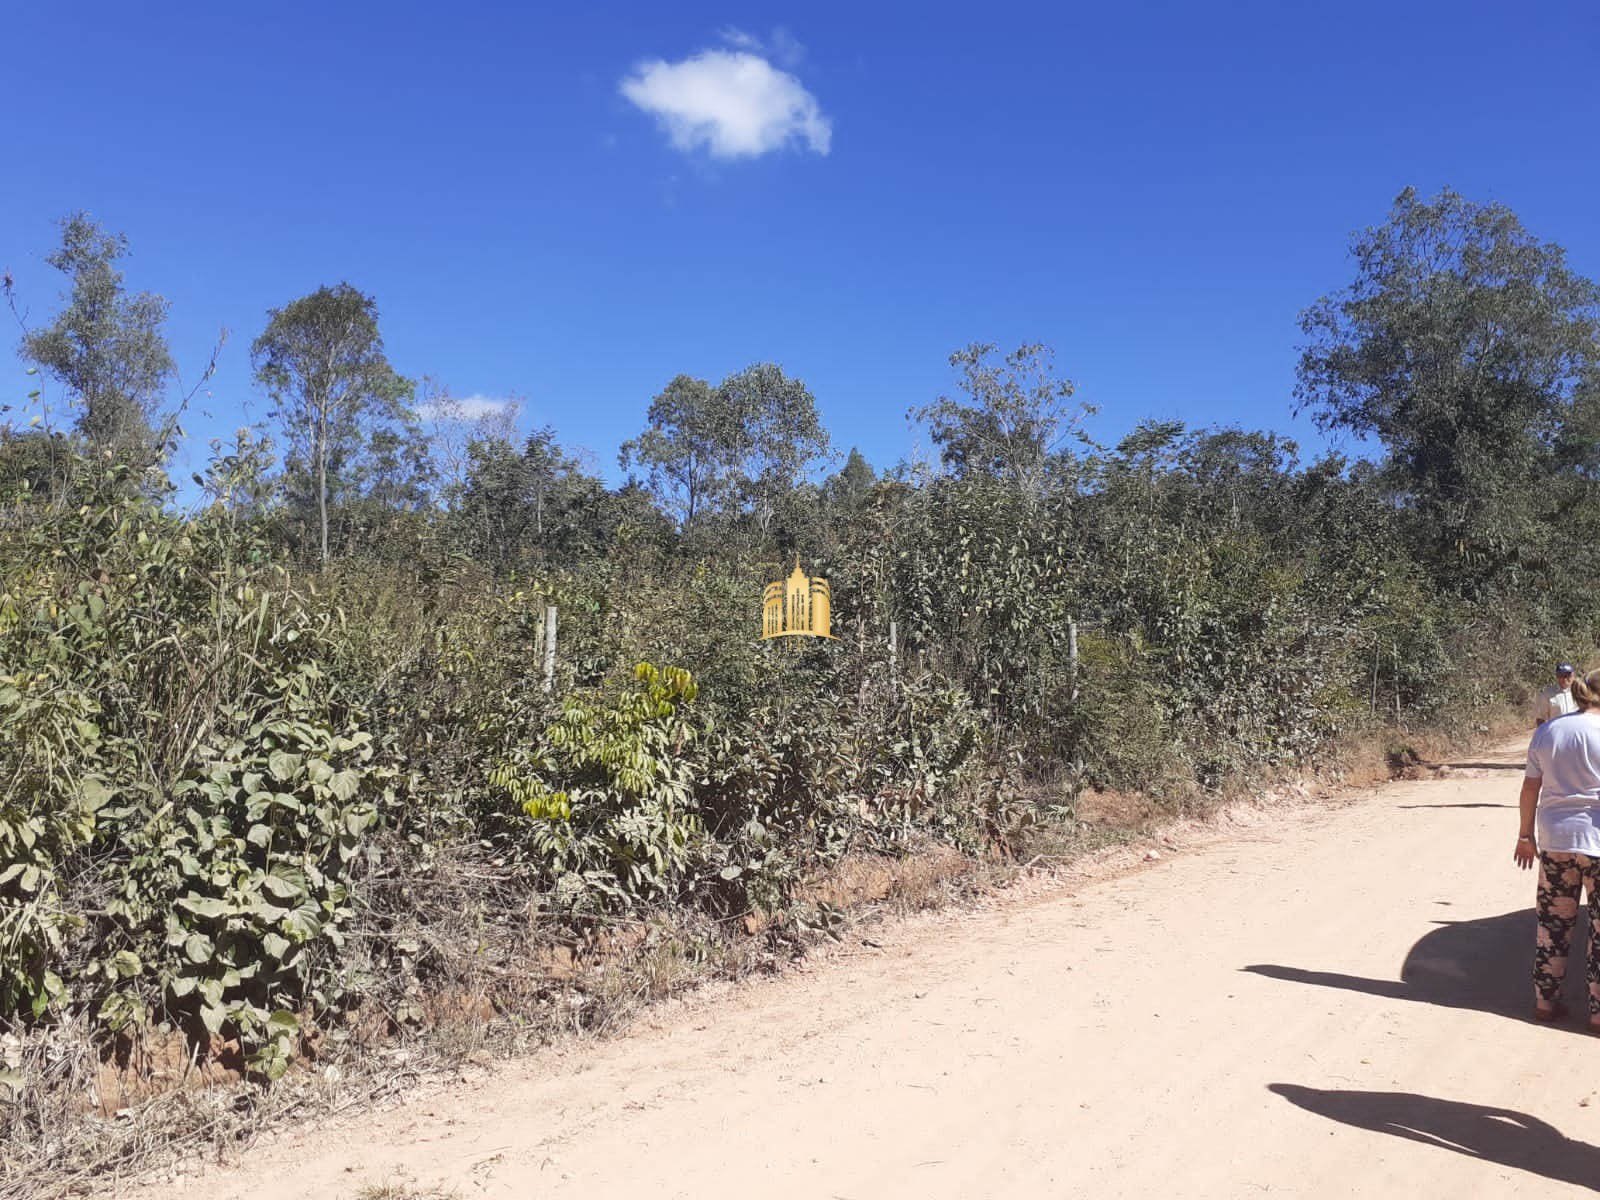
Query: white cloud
[[733, 102], [465, 408], [740, 40], [781, 46], [786, 48]]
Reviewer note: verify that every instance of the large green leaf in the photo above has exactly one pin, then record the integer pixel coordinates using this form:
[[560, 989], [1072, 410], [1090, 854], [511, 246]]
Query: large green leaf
[[283, 765], [345, 784], [212, 1016], [208, 907], [287, 890], [275, 946]]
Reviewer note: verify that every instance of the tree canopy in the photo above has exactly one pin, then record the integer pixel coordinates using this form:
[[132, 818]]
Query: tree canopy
[[1013, 423], [107, 347], [739, 446], [1468, 348], [321, 360]]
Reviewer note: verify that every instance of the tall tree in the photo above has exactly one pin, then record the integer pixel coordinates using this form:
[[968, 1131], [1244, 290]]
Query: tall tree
[[738, 446], [687, 449], [106, 347], [780, 436], [321, 359], [1014, 422], [1468, 348]]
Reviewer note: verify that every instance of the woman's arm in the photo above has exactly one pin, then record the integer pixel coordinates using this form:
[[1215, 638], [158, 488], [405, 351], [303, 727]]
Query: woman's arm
[[1527, 850]]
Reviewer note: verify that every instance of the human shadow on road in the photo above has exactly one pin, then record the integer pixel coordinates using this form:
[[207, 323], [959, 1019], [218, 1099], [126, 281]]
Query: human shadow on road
[[1484, 964], [1499, 1135]]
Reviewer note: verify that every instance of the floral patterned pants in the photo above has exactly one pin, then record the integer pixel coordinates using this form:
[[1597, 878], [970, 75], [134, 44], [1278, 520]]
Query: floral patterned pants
[[1562, 878]]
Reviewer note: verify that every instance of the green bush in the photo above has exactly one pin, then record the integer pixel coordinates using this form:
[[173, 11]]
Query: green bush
[[605, 797], [212, 763]]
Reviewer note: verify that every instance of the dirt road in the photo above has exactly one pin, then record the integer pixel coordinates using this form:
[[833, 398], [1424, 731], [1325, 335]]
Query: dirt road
[[1325, 1002]]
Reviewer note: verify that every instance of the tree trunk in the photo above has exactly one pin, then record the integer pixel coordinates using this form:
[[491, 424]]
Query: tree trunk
[[320, 462], [322, 501]]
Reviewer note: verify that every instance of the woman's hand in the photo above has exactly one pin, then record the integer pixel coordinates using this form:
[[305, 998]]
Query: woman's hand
[[1526, 853]]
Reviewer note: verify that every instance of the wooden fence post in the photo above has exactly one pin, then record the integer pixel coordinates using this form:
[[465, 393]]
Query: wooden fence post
[[550, 648], [1072, 660]]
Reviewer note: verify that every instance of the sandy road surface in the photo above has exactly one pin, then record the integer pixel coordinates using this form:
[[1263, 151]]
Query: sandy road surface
[[1330, 1002]]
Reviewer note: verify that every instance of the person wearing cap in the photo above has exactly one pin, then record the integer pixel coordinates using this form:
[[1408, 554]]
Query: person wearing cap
[[1559, 809], [1556, 699]]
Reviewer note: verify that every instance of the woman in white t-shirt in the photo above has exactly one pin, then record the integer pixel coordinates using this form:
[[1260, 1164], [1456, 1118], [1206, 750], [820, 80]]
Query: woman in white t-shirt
[[1560, 830]]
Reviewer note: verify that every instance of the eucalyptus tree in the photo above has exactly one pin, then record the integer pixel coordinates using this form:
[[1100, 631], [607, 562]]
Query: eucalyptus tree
[[738, 447], [687, 449], [321, 360], [107, 347], [780, 436], [1013, 423]]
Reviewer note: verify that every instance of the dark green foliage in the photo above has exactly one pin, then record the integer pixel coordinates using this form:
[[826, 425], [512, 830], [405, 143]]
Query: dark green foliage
[[1468, 348], [533, 509], [848, 489]]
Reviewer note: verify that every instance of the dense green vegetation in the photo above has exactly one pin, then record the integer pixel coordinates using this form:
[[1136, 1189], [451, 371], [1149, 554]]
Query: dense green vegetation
[[247, 727]]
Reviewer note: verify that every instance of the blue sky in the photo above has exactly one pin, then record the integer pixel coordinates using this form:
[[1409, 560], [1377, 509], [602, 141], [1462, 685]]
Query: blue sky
[[1155, 190]]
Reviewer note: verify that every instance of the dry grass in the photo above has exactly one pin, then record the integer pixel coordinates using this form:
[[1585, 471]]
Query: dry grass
[[404, 1191], [56, 1142]]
